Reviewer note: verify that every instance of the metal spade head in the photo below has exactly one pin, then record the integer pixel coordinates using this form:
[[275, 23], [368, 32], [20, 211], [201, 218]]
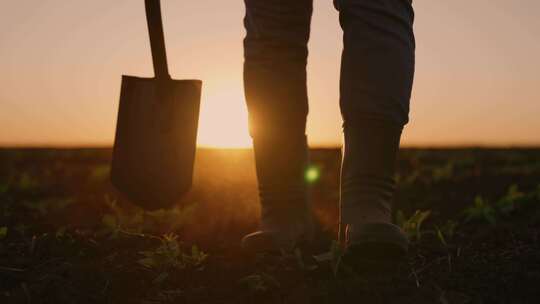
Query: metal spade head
[[156, 132], [155, 143]]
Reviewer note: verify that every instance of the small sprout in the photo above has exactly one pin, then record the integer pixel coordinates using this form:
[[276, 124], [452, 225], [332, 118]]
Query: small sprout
[[441, 238], [259, 283], [443, 173], [397, 178], [111, 202], [449, 228], [197, 257], [60, 232], [27, 182], [446, 232], [166, 296], [336, 254], [301, 262], [3, 232], [481, 210], [299, 258], [100, 173], [160, 278], [32, 245], [4, 187], [174, 218], [47, 205], [333, 257], [114, 225], [110, 222], [508, 203], [407, 180], [412, 226], [169, 255]]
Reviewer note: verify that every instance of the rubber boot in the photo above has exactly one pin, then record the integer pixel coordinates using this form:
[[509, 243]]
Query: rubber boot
[[286, 215], [367, 189]]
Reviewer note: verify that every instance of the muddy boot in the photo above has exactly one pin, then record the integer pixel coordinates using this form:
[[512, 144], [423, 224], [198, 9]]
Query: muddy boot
[[367, 189], [286, 216]]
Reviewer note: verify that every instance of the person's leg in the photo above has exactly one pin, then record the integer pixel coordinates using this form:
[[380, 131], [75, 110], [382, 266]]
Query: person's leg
[[275, 52], [376, 81]]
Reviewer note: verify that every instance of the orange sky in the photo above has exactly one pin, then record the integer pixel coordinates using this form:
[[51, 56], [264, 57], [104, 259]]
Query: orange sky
[[477, 80]]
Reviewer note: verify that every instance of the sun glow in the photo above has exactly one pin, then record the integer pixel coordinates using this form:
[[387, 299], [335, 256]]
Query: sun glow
[[223, 120]]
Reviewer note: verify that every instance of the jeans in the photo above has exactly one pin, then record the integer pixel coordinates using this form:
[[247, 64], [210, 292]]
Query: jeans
[[377, 71]]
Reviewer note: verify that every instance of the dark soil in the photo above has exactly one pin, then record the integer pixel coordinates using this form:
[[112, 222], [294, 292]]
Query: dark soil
[[66, 236]]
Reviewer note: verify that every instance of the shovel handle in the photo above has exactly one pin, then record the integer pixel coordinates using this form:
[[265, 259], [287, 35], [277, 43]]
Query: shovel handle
[[157, 39]]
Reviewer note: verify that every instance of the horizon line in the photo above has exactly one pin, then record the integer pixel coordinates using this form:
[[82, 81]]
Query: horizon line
[[316, 146]]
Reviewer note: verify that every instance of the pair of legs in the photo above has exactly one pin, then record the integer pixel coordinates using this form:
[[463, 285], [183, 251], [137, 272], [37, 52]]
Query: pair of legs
[[376, 79]]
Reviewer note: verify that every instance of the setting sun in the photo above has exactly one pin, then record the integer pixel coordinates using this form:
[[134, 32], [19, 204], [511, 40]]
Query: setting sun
[[223, 120], [269, 151]]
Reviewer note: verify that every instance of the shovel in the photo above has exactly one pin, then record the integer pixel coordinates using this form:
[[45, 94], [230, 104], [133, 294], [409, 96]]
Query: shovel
[[156, 130]]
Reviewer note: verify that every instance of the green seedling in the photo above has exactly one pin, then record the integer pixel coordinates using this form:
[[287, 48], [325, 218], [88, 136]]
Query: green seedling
[[100, 173], [48, 205], [166, 296], [111, 224], [119, 219], [61, 232], [161, 278], [407, 180], [3, 232], [27, 182], [443, 173], [4, 187], [259, 283], [333, 257], [173, 218], [170, 256], [412, 226], [446, 232], [481, 210], [298, 257], [336, 256], [508, 203], [141, 220], [6, 209]]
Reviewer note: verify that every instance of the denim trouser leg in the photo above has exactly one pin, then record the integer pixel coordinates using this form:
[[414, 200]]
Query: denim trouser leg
[[275, 57], [377, 61], [376, 81], [275, 53]]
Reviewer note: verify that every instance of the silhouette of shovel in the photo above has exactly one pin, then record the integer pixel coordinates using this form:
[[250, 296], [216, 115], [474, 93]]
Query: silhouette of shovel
[[156, 131]]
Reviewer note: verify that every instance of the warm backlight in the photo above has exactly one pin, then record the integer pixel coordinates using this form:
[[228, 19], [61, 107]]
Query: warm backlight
[[223, 121]]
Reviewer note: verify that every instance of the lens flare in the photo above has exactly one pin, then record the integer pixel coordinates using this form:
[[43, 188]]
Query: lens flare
[[312, 174]]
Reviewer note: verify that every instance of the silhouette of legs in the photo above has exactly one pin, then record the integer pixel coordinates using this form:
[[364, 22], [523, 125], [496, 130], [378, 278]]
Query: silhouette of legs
[[376, 81], [275, 87]]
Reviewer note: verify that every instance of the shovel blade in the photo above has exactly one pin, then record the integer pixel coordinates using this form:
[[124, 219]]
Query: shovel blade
[[156, 135]]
